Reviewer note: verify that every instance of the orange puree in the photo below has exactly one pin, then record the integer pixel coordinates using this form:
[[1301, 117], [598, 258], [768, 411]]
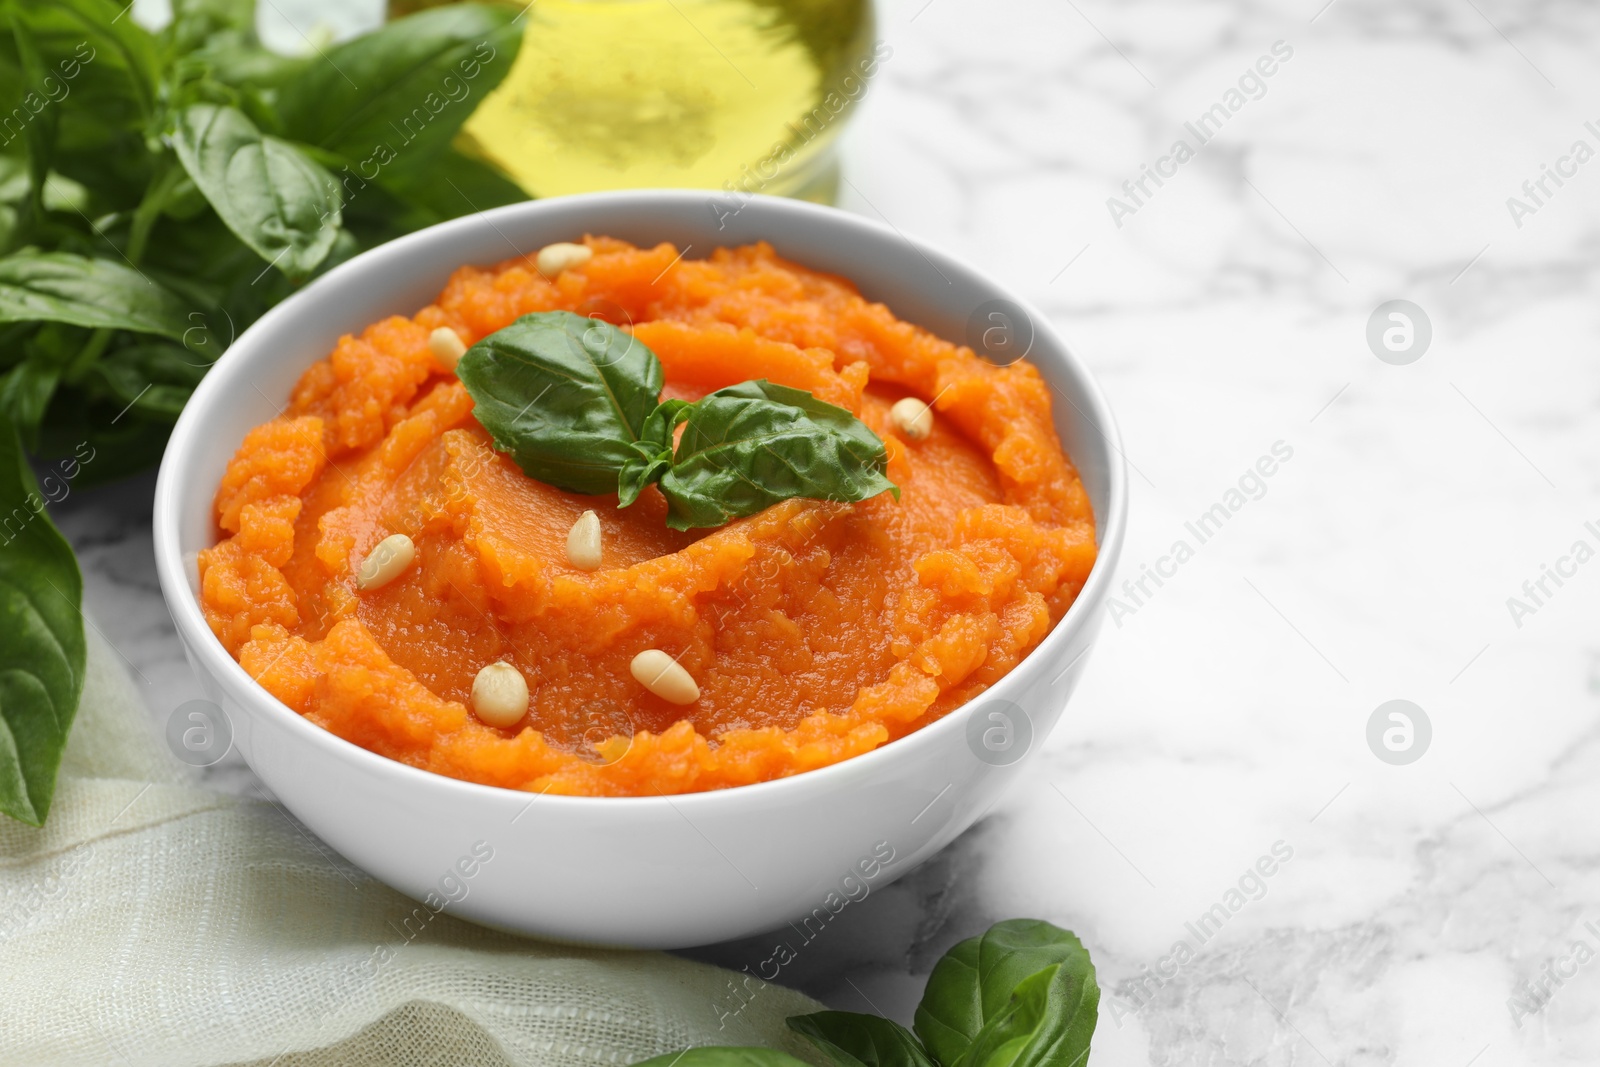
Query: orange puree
[[816, 631]]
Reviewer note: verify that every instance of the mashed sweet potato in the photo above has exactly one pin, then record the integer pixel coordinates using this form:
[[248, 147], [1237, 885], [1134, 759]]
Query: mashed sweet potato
[[816, 631]]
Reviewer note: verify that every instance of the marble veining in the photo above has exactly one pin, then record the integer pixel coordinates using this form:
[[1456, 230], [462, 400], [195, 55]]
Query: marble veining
[[1431, 912]]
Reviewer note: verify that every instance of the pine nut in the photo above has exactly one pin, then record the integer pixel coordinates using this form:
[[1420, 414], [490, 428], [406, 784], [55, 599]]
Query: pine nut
[[664, 676], [387, 561], [583, 542], [500, 695], [553, 259], [447, 347], [912, 418]]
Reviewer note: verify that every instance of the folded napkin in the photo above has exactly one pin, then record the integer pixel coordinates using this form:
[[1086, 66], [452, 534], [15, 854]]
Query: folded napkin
[[154, 922]]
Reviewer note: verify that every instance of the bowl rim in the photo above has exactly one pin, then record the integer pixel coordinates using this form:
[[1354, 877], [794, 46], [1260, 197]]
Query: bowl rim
[[197, 636]]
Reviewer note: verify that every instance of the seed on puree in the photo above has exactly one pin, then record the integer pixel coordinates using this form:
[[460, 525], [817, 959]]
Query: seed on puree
[[792, 638]]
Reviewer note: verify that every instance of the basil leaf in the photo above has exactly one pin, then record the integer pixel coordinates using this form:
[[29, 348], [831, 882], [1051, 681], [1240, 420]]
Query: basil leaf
[[269, 193], [752, 445], [42, 646], [407, 87], [62, 287], [565, 396], [1024, 990], [852, 1040], [724, 1056]]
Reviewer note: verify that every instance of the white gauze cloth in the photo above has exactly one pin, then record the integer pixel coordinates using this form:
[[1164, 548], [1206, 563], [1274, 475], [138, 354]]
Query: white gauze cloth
[[151, 922]]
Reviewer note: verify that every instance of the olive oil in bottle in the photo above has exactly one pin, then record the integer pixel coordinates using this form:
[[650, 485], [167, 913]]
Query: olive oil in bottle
[[613, 94]]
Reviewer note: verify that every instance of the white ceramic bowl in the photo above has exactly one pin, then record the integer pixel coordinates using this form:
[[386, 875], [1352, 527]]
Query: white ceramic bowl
[[657, 872]]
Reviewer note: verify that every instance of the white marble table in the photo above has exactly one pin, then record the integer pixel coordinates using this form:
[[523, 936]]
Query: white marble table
[[1227, 711]]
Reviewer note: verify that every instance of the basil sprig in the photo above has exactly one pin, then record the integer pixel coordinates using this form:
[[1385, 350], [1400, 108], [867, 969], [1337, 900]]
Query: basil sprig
[[1022, 995], [576, 403], [273, 196]]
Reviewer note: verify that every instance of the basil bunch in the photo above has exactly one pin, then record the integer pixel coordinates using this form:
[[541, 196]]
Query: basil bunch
[[1021, 995], [576, 403], [158, 193]]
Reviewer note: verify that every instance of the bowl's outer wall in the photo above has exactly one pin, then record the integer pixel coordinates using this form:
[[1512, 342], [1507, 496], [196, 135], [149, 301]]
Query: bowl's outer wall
[[654, 872]]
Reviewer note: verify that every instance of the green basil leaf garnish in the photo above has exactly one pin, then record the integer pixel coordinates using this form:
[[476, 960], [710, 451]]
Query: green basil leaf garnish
[[42, 647], [1021, 995], [273, 196], [565, 396], [575, 402], [752, 445], [63, 287], [852, 1040]]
